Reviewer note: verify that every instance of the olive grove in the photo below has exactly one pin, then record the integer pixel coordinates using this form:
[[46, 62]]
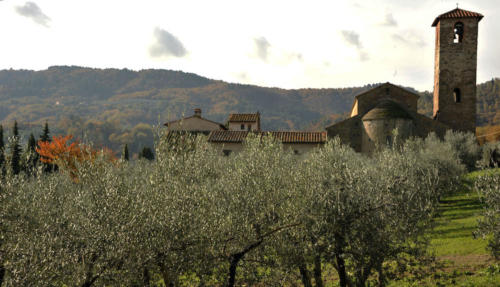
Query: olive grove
[[193, 217], [489, 226]]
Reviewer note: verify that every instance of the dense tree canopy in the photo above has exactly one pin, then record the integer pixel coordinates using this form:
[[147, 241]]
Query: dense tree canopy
[[193, 217]]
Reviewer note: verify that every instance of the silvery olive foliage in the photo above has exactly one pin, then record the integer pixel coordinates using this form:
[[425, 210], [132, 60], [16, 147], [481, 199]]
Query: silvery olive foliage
[[255, 201], [359, 212], [193, 217], [489, 188], [465, 144]]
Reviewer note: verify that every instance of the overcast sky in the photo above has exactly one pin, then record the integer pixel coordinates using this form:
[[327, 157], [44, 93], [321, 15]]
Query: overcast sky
[[288, 44]]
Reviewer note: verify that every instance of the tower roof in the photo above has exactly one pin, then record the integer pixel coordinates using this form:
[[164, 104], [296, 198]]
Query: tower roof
[[457, 13]]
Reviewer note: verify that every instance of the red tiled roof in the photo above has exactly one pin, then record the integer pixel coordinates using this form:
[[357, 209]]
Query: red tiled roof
[[227, 136], [457, 13], [284, 137], [243, 117], [183, 119], [300, 137]]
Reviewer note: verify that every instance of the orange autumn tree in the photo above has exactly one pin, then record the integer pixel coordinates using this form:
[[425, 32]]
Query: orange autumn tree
[[66, 154]]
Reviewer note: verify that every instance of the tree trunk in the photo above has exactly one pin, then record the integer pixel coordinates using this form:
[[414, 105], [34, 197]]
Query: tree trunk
[[341, 270], [306, 277], [317, 271], [89, 282], [2, 274], [89, 278], [145, 277], [382, 281], [232, 268], [167, 279], [235, 259]]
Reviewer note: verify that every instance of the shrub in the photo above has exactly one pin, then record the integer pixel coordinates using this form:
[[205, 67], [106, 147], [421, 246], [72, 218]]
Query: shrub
[[489, 188], [466, 147]]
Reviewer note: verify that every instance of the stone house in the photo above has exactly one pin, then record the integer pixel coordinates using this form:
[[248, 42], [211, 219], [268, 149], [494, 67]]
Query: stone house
[[298, 141], [244, 122], [195, 124]]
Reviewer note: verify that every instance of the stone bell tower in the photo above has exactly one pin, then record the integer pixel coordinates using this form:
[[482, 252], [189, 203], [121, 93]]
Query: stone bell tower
[[455, 69]]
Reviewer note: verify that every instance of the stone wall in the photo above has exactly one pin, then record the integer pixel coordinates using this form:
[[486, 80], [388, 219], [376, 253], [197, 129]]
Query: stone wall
[[349, 131], [367, 101], [378, 133]]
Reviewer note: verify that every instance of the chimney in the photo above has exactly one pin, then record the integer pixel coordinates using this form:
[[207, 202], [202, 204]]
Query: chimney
[[197, 112]]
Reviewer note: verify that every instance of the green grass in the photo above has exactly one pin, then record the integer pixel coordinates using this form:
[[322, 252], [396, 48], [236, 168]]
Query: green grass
[[457, 220], [464, 260]]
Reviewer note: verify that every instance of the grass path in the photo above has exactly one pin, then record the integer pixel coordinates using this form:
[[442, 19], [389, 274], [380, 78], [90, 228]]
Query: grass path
[[464, 259]]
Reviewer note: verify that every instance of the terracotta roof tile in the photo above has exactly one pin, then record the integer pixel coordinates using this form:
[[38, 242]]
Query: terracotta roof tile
[[186, 118], [283, 136], [227, 136], [244, 117], [457, 13]]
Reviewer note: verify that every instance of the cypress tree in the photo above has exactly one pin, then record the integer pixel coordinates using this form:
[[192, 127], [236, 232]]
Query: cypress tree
[[15, 151], [32, 156], [147, 153], [45, 137], [125, 153], [2, 153]]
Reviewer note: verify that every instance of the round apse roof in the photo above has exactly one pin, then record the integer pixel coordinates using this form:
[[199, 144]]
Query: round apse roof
[[386, 109]]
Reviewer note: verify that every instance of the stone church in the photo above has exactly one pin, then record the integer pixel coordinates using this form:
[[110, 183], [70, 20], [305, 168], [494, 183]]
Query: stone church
[[377, 112]]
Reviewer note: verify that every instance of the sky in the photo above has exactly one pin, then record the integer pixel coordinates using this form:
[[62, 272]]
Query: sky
[[287, 44]]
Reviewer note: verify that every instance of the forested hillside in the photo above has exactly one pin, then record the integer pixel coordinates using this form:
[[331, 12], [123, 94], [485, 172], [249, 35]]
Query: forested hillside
[[113, 107]]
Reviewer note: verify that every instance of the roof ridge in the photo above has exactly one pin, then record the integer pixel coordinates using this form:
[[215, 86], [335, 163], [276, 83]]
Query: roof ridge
[[458, 13]]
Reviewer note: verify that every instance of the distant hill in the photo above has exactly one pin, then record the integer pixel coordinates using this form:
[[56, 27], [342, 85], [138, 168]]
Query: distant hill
[[112, 107]]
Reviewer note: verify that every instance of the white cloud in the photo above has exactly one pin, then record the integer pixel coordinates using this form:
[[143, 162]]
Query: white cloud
[[389, 20], [262, 48], [352, 38], [32, 11], [166, 44]]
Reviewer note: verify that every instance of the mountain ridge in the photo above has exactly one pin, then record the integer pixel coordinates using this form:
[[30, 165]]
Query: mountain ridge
[[114, 106]]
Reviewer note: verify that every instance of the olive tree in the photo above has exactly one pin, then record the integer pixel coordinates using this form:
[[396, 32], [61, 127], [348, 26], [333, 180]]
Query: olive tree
[[489, 188], [254, 202], [466, 147], [63, 231], [359, 212], [176, 208]]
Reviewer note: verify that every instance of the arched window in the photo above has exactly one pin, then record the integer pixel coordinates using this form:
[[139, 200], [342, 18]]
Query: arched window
[[457, 95], [458, 32]]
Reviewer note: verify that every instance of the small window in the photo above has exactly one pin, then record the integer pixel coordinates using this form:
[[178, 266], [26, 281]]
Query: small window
[[457, 95], [249, 127], [242, 127], [226, 152], [458, 32], [295, 151]]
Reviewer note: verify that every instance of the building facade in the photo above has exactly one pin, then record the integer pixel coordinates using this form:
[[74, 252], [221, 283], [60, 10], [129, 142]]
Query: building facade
[[194, 124], [378, 112], [244, 122]]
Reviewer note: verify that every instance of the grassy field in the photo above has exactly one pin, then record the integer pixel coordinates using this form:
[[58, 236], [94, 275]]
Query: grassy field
[[461, 260]]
